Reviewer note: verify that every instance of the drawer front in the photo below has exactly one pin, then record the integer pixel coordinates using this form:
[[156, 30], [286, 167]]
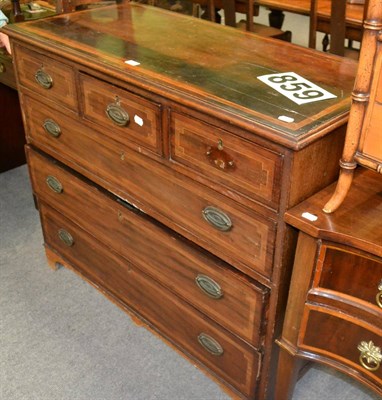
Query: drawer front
[[337, 265], [221, 352], [7, 72], [237, 235], [230, 163], [52, 79], [127, 118], [200, 279], [344, 340]]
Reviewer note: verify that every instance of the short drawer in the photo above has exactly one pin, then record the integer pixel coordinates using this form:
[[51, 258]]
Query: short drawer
[[344, 340], [231, 359], [49, 77], [336, 265], [7, 72], [235, 234], [199, 278], [229, 162], [128, 118]]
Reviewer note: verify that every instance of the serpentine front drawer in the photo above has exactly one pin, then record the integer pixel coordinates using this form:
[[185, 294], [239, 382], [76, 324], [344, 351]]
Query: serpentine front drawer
[[202, 280], [337, 264], [220, 351], [346, 339], [51, 78]]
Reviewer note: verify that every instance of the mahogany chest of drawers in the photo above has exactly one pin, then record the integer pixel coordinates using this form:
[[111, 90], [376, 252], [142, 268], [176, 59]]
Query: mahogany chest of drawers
[[334, 311], [162, 166]]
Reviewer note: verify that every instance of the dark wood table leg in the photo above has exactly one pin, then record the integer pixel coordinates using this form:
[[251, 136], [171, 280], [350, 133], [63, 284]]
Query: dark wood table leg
[[229, 12], [338, 28]]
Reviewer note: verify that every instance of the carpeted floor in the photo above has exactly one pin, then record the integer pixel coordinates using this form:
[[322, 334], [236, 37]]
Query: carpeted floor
[[60, 339]]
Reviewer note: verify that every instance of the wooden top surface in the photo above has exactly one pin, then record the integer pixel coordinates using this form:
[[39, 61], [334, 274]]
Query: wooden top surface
[[354, 12], [210, 67], [357, 222]]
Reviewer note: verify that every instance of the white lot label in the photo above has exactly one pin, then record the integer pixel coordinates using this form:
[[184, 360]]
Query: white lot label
[[296, 88], [138, 120], [133, 63], [309, 216]]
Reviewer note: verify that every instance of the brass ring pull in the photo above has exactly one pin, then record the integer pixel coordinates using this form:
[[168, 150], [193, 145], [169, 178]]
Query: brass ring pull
[[378, 297], [208, 286], [371, 356], [52, 128], [219, 158], [117, 114], [54, 184], [217, 218], [66, 237], [210, 344], [43, 79]]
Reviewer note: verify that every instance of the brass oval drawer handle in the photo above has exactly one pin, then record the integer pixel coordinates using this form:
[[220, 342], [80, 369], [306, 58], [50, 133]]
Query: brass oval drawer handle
[[43, 79], [219, 158], [54, 184], [66, 237], [52, 128], [371, 356], [117, 114], [217, 218], [2, 68], [378, 298], [210, 344], [208, 286]]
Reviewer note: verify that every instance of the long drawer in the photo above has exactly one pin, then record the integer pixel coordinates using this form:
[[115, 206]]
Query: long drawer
[[236, 234], [201, 279], [221, 352]]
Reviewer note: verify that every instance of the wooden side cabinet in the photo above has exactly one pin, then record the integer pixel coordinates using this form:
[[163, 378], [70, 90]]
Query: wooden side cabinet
[[334, 311]]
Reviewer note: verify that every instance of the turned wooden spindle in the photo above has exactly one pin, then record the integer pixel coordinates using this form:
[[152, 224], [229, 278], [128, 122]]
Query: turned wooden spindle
[[361, 108]]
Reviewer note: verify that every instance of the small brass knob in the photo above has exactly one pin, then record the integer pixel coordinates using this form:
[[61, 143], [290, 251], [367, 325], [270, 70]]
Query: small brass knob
[[371, 356]]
